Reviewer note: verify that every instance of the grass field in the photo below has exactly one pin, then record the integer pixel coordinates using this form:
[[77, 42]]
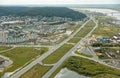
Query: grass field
[[36, 72], [22, 55], [56, 55], [106, 76], [88, 68], [106, 30], [2, 48]]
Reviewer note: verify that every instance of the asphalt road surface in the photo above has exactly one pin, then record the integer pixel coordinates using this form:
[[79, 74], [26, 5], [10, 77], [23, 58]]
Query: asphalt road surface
[[17, 74], [69, 53]]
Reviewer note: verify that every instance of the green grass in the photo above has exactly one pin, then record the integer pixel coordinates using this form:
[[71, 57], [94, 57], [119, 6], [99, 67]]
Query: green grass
[[22, 55], [75, 27], [57, 70], [2, 48], [36, 72], [62, 39], [83, 54], [56, 55], [74, 40], [106, 76], [87, 67], [85, 30], [106, 30], [101, 53]]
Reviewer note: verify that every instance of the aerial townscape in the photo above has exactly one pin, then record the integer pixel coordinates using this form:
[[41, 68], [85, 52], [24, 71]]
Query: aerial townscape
[[60, 41]]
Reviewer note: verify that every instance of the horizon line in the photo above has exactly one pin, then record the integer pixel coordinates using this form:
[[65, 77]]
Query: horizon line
[[55, 4]]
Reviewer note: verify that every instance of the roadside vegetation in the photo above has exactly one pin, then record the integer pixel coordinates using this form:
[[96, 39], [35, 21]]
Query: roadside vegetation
[[106, 76], [36, 72], [84, 31], [83, 54], [22, 55], [88, 68], [74, 40], [2, 48], [57, 54], [74, 27]]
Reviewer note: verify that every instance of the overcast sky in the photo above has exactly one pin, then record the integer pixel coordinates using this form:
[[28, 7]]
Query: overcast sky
[[37, 2]]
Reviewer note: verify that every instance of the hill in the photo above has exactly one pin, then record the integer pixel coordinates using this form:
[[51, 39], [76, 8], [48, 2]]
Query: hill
[[43, 11]]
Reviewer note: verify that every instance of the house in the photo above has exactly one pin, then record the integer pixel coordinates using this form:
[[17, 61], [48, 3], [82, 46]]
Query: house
[[2, 60], [112, 55], [116, 39]]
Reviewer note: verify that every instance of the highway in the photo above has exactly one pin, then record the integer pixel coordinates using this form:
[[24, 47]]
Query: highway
[[17, 73], [69, 53]]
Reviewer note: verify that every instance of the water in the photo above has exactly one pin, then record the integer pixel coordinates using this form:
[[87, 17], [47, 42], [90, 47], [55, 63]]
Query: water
[[65, 73], [108, 12]]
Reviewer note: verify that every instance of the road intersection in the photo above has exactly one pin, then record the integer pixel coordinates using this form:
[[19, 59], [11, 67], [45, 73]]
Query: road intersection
[[17, 73], [68, 54]]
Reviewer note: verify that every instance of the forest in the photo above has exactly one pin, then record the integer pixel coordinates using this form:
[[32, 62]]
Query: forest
[[42, 11]]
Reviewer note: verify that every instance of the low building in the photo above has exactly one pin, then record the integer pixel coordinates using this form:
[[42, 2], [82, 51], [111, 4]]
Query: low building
[[2, 60], [68, 32]]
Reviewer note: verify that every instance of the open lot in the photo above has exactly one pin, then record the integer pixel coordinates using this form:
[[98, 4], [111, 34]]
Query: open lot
[[2, 48], [105, 27], [22, 55], [106, 30]]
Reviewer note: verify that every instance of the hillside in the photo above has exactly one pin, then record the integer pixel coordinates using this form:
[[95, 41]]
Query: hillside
[[43, 11]]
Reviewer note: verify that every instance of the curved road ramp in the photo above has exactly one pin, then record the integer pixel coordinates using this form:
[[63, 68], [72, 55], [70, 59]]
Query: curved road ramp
[[4, 62]]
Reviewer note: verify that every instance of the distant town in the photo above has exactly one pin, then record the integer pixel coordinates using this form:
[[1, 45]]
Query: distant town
[[33, 30]]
